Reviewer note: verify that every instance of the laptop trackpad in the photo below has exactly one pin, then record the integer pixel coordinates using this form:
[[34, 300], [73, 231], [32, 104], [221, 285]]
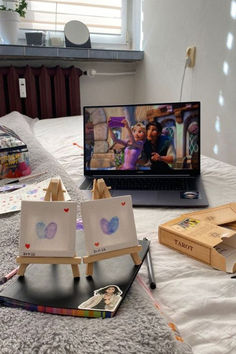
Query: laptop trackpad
[[144, 197]]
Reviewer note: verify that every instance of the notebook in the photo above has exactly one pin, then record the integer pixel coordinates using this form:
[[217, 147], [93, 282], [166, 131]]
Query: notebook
[[149, 151], [51, 288]]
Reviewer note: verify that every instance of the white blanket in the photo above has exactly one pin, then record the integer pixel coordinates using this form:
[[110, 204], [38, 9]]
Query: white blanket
[[200, 300]]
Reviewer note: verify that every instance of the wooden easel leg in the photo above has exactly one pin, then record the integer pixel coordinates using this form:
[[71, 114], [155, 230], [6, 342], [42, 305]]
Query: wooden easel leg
[[89, 269], [21, 270], [75, 270], [136, 258]]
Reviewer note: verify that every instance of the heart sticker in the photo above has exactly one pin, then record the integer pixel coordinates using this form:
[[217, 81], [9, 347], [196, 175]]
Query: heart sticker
[[46, 231], [66, 210], [96, 244], [109, 227], [27, 245], [122, 203]]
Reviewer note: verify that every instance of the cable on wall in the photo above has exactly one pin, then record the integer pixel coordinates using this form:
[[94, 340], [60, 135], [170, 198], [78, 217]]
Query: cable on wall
[[92, 73], [187, 61]]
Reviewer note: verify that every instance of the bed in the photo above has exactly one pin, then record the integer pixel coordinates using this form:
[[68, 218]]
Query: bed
[[199, 300]]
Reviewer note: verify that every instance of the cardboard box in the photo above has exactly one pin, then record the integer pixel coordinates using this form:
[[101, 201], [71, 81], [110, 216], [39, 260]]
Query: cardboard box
[[208, 235]]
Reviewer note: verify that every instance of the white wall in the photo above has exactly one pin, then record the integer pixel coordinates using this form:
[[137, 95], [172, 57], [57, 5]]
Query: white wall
[[116, 88], [169, 27]]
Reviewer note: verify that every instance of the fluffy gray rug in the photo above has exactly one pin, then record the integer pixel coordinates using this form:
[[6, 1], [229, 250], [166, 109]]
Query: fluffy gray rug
[[138, 326]]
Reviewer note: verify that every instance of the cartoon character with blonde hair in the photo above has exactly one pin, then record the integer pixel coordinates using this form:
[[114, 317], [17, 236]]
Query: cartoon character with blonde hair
[[133, 146]]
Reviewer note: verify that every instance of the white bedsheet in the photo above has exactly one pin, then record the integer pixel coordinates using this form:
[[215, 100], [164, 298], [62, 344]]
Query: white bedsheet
[[57, 136], [200, 300]]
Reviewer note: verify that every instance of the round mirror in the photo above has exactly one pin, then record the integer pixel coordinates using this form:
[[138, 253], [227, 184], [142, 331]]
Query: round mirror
[[77, 34]]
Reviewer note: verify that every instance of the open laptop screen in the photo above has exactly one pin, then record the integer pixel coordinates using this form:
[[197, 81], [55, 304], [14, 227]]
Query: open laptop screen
[[142, 139]]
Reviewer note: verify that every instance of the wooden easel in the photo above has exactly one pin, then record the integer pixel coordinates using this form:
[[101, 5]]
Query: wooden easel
[[101, 191], [54, 192]]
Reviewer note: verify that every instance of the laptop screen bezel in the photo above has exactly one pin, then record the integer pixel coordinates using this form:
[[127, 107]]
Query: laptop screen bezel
[[182, 172]]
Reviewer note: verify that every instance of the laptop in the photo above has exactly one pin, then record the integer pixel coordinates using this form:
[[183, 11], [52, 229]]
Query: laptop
[[148, 151]]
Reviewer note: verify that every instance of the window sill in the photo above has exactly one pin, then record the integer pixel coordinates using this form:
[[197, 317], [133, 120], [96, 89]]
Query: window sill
[[36, 52]]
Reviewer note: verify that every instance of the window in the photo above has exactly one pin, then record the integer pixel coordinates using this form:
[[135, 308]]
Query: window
[[105, 19]]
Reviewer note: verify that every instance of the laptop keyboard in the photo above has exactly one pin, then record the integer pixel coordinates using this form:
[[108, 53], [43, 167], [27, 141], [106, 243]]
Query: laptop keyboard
[[179, 184]]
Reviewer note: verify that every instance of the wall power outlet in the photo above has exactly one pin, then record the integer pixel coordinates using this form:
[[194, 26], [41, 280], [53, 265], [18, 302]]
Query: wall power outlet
[[191, 54]]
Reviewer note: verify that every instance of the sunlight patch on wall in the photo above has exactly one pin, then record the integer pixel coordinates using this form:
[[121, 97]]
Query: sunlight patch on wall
[[225, 68], [229, 41], [233, 9], [217, 124], [221, 99], [216, 149]]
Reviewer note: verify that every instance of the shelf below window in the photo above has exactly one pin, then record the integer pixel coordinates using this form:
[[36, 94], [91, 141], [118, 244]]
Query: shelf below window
[[29, 52]]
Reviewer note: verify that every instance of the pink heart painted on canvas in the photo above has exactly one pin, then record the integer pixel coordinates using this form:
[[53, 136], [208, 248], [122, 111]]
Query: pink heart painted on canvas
[[27, 245]]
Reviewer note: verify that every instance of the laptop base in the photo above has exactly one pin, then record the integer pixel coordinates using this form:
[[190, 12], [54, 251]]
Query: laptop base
[[151, 198]]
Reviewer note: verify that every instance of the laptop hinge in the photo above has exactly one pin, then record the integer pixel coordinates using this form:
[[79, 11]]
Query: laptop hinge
[[140, 176]]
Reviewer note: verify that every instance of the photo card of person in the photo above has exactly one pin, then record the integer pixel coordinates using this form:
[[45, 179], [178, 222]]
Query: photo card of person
[[106, 298], [48, 229], [108, 224]]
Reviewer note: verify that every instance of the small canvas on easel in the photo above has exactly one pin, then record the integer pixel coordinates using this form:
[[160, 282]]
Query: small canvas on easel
[[108, 224], [48, 229]]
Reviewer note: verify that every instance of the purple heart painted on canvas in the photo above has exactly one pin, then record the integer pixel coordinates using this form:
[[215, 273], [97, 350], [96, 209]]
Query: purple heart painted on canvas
[[44, 231], [109, 227]]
